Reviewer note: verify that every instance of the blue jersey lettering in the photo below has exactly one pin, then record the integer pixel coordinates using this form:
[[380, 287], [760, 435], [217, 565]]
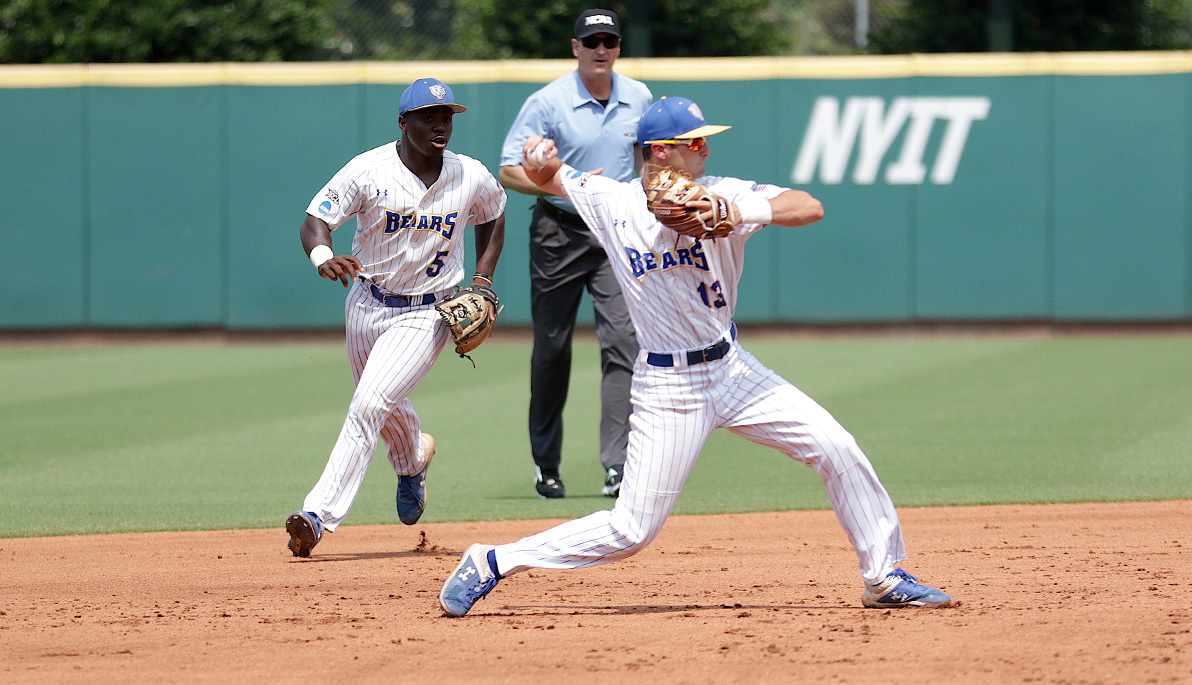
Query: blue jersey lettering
[[635, 262], [698, 258], [392, 222], [645, 261], [443, 224], [449, 224]]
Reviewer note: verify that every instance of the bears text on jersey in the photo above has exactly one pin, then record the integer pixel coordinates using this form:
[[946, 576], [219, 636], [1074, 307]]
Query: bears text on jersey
[[644, 262], [443, 224]]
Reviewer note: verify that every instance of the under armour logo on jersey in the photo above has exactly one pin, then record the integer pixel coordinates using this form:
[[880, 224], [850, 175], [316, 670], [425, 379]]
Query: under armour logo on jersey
[[646, 262], [382, 193], [443, 224]]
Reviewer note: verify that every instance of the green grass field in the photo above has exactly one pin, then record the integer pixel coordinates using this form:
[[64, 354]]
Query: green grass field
[[201, 436]]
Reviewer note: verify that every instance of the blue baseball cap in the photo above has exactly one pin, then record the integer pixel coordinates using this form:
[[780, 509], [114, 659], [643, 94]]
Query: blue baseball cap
[[427, 92], [673, 119]]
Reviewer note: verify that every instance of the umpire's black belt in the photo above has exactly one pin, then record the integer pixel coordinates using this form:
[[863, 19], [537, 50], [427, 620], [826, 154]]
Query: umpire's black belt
[[708, 354], [559, 214], [398, 300]]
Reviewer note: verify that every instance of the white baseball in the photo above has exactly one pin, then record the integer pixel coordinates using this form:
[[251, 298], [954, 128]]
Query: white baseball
[[537, 156]]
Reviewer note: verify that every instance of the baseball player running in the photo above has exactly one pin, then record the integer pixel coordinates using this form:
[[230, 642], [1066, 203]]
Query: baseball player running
[[691, 375], [412, 199]]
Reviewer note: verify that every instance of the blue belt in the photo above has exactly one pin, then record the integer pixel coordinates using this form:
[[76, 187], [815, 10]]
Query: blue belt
[[399, 300], [708, 354]]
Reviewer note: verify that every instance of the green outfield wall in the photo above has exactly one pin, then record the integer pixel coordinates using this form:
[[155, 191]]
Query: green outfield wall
[[956, 187]]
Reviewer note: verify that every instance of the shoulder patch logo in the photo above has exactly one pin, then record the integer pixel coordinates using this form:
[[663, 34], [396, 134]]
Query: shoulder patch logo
[[324, 207]]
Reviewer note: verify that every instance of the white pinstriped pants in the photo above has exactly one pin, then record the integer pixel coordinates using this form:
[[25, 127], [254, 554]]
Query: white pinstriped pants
[[391, 349], [674, 411]]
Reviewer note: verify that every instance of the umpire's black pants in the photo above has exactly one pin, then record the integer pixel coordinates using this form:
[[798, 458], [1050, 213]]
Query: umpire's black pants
[[564, 259]]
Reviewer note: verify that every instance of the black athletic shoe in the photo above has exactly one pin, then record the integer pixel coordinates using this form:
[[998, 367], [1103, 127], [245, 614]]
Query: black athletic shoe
[[548, 487], [612, 481]]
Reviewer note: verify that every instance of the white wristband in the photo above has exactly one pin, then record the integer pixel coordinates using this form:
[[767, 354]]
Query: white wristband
[[320, 254], [755, 209]]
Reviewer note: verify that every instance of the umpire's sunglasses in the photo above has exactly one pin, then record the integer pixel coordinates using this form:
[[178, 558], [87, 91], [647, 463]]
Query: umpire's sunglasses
[[610, 42], [695, 144]]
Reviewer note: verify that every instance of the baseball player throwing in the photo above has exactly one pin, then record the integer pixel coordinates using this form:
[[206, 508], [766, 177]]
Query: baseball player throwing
[[691, 375], [412, 199]]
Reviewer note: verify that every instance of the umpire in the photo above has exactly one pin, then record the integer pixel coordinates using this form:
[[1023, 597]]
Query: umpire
[[592, 115]]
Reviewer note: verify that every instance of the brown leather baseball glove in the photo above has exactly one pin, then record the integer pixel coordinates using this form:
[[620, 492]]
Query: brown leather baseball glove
[[667, 195], [469, 314]]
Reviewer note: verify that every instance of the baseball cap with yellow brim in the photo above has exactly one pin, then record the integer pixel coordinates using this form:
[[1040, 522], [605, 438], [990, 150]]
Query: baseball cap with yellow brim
[[427, 92], [673, 120]]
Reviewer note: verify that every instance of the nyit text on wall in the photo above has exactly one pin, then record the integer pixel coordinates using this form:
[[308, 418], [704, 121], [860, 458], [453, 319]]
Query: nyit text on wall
[[1033, 187]]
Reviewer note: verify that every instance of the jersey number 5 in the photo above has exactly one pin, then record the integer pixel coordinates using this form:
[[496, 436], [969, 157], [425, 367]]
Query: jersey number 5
[[711, 295], [436, 264]]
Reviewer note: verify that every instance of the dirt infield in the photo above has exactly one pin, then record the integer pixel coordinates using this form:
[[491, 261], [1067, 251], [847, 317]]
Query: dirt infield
[[1087, 593]]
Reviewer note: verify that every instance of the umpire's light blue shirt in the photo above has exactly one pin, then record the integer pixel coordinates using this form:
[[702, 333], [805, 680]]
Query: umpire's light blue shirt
[[587, 135]]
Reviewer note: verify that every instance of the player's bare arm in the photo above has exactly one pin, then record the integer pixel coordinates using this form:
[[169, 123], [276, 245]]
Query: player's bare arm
[[316, 233], [531, 170], [490, 239], [541, 165], [795, 208], [514, 178]]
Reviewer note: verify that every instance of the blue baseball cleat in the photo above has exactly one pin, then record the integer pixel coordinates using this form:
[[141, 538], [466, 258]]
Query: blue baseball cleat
[[474, 578], [901, 589], [305, 529], [411, 490]]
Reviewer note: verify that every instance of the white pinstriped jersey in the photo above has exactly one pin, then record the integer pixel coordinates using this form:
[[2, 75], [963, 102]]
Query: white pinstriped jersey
[[692, 306], [409, 237]]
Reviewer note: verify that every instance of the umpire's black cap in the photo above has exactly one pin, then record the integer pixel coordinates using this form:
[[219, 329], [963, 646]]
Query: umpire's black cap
[[591, 22]]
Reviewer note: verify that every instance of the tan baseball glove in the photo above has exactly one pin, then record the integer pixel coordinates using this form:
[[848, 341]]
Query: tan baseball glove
[[667, 195], [469, 314]]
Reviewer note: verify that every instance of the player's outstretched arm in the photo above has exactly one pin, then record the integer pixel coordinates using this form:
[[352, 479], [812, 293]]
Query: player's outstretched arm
[[514, 178], [795, 208], [541, 164], [316, 240]]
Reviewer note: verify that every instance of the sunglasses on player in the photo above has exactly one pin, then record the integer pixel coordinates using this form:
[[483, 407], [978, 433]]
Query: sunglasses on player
[[610, 42], [695, 144]]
